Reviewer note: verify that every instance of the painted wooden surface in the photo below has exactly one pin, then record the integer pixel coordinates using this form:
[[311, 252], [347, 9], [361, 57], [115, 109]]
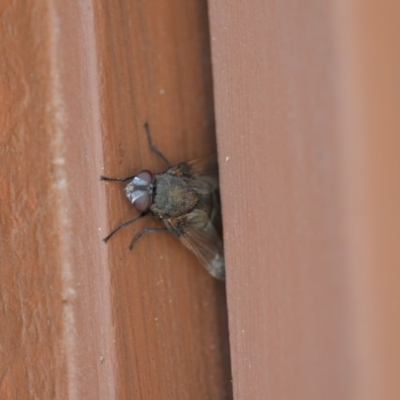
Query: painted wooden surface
[[307, 121], [308, 124], [80, 319]]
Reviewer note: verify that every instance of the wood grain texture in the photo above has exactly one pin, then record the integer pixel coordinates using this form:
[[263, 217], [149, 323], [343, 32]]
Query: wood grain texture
[[32, 357], [79, 319], [306, 100], [170, 315]]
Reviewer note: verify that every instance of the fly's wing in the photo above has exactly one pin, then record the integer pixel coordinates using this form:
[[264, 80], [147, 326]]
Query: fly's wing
[[204, 166], [201, 173], [197, 233]]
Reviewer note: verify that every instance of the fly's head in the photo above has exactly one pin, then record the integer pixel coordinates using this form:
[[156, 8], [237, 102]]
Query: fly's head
[[140, 190]]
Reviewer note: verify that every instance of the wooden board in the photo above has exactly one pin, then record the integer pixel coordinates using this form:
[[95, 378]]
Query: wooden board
[[80, 319], [308, 123]]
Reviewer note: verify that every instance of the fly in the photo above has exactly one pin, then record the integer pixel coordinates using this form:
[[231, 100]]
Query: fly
[[185, 197]]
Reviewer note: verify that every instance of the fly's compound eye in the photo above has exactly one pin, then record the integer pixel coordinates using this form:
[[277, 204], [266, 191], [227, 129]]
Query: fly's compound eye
[[143, 178], [143, 202], [140, 190]]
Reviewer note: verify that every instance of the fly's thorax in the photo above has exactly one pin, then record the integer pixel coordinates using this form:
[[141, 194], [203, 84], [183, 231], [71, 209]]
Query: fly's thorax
[[172, 197]]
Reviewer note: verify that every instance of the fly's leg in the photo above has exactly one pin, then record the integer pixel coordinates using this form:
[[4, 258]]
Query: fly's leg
[[106, 178], [131, 221], [144, 232], [154, 148]]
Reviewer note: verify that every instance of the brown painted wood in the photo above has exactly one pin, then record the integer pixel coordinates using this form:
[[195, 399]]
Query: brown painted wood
[[170, 316], [80, 319], [308, 122], [32, 354]]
